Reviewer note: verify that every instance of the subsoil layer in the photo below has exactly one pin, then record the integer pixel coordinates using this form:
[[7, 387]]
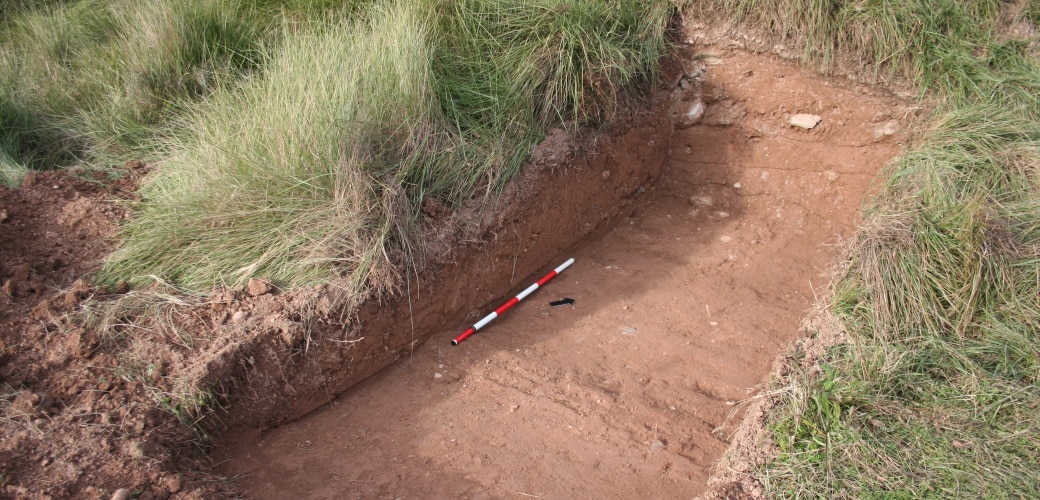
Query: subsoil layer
[[680, 309]]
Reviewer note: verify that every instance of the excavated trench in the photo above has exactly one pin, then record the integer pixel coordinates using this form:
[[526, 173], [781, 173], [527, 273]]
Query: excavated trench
[[698, 248]]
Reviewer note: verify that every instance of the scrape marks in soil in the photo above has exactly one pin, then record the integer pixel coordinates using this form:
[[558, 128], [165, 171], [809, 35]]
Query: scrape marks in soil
[[680, 310]]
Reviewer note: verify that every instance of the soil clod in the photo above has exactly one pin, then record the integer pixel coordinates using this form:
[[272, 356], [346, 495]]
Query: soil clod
[[257, 287]]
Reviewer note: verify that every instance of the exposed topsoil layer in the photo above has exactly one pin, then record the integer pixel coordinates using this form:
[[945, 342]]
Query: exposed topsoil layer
[[689, 288], [635, 390]]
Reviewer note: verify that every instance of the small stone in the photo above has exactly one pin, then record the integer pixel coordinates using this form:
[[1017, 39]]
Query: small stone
[[42, 311], [81, 343], [121, 494], [10, 289], [174, 484], [257, 287], [831, 175], [713, 323], [3, 216], [726, 239], [881, 116], [693, 114], [438, 375], [702, 201], [890, 127], [239, 316], [24, 404], [628, 330], [723, 214], [805, 120], [737, 185], [79, 291], [136, 450]]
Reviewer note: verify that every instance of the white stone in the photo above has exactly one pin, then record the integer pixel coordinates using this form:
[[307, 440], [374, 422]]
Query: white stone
[[695, 112], [805, 120]]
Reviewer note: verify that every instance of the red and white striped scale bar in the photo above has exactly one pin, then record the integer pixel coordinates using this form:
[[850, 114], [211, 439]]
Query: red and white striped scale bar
[[512, 302]]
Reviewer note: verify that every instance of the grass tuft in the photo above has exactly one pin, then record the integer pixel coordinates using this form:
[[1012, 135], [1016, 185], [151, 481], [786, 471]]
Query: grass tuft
[[317, 167], [289, 177], [298, 139], [565, 59], [95, 80]]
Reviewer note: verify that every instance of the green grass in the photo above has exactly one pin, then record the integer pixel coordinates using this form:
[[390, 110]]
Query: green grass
[[937, 392], [560, 61], [293, 176], [97, 82], [317, 168], [93, 81], [943, 45], [11, 172], [298, 139]]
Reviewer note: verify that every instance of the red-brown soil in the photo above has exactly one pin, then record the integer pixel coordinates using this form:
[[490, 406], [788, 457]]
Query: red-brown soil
[[71, 425], [694, 278], [681, 308], [103, 387]]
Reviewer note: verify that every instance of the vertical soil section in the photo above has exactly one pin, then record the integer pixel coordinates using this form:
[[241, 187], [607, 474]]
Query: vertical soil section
[[681, 307], [571, 187]]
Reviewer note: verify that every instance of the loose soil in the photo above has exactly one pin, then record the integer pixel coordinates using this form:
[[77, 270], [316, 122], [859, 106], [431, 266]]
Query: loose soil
[[73, 425], [710, 233], [680, 309]]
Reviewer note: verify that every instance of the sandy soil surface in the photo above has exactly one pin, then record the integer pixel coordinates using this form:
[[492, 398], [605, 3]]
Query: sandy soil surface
[[680, 310]]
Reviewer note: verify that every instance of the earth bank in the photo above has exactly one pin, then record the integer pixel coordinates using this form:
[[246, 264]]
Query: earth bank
[[688, 288]]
